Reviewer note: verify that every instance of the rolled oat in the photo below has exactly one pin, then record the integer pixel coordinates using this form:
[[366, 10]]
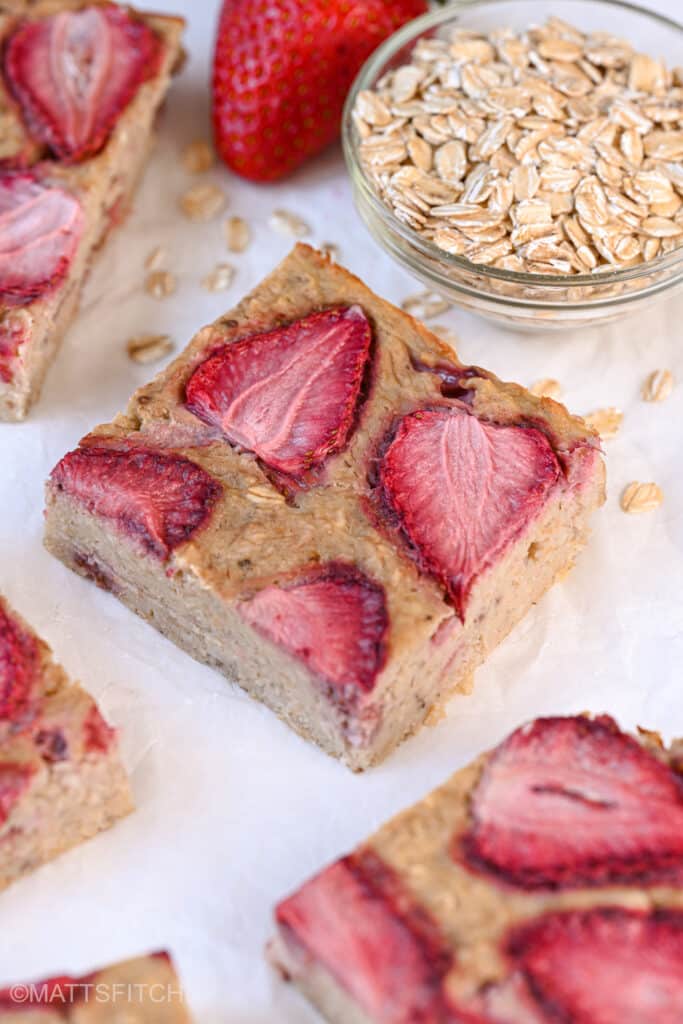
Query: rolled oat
[[606, 421], [639, 497], [658, 386], [147, 348], [550, 151]]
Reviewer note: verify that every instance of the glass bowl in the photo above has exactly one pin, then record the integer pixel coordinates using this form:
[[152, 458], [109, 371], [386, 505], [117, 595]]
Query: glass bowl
[[525, 301]]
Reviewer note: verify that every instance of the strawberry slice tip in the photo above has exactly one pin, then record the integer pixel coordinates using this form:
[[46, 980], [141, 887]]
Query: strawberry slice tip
[[160, 500], [40, 228], [359, 922], [334, 619], [458, 491], [606, 965], [74, 72], [18, 667], [574, 801], [289, 395]]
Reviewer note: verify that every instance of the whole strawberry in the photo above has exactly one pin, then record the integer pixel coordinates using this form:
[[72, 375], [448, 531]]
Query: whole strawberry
[[282, 69]]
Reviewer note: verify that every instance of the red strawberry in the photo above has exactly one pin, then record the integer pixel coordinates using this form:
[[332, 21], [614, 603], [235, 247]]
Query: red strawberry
[[460, 491], [605, 966], [18, 667], [40, 228], [281, 73], [14, 333], [15, 779], [74, 72], [98, 735], [159, 499], [52, 745], [574, 801], [356, 919], [334, 619], [289, 395]]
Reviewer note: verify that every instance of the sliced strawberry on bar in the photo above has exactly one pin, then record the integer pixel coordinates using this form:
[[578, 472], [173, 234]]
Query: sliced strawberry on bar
[[460, 490], [156, 498], [334, 619], [290, 395], [356, 919], [74, 72], [605, 966], [40, 228], [18, 667], [574, 801], [15, 779]]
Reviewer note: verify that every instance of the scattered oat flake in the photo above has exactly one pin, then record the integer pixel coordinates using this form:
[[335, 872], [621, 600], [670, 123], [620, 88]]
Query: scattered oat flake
[[155, 258], [237, 234], [446, 334], [220, 278], [287, 223], [160, 284], [147, 348], [639, 497], [546, 388], [658, 386], [198, 157], [331, 250], [605, 421], [425, 305], [203, 202]]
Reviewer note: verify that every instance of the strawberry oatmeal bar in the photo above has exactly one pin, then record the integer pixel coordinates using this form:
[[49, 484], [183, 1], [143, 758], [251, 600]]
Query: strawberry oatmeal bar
[[141, 991], [61, 780], [80, 85], [318, 499], [542, 884]]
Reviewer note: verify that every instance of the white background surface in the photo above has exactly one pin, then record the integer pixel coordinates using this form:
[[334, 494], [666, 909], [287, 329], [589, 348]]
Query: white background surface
[[233, 809]]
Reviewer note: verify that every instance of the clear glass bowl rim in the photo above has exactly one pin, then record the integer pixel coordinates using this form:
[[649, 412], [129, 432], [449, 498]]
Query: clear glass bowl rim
[[369, 73]]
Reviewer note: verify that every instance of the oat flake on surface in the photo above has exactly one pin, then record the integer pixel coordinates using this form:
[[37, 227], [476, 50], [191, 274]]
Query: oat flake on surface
[[546, 388], [606, 422], [641, 497], [658, 386], [155, 258], [331, 250], [148, 348], [446, 334], [203, 202], [160, 284], [198, 157], [237, 234], [220, 278], [287, 223], [425, 305]]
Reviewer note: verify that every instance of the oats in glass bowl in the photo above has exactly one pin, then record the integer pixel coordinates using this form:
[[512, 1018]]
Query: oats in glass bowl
[[532, 173]]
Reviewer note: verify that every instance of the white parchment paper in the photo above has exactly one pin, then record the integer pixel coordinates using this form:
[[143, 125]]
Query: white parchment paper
[[233, 809]]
